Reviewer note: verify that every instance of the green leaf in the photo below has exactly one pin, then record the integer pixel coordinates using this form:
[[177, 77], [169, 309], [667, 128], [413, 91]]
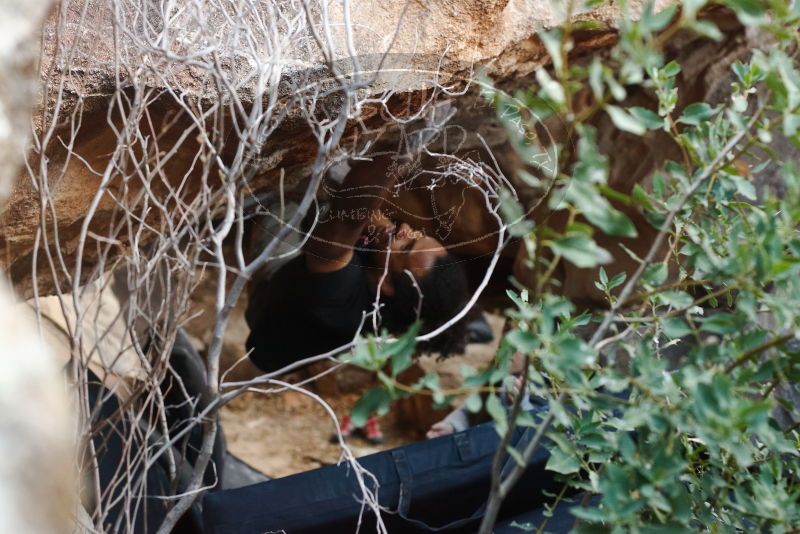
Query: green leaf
[[552, 42], [671, 69], [572, 352], [745, 188], [739, 103], [529, 179], [675, 328], [401, 351], [581, 250], [659, 184], [640, 196], [375, 401], [613, 194], [612, 222], [627, 448], [516, 455], [741, 70], [676, 299], [720, 323], [590, 514], [752, 339], [365, 354], [649, 119], [473, 403], [495, 409], [617, 90], [697, 113], [562, 462], [750, 12], [513, 214], [652, 21], [655, 274], [523, 340], [596, 78], [599, 211], [551, 87], [618, 280], [707, 29], [625, 121]]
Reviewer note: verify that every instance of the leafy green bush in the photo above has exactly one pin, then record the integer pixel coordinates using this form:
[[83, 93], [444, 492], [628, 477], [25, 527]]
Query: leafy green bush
[[696, 443]]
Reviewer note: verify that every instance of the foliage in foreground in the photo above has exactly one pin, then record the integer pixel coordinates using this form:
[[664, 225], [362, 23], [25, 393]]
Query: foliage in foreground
[[668, 447]]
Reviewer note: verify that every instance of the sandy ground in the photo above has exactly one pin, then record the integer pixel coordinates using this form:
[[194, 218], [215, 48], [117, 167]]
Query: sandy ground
[[286, 433]]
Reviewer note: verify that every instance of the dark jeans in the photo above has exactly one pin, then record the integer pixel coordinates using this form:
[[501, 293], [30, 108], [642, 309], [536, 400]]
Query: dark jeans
[[120, 447], [436, 484]]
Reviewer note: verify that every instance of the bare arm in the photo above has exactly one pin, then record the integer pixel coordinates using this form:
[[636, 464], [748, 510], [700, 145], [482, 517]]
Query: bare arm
[[353, 204]]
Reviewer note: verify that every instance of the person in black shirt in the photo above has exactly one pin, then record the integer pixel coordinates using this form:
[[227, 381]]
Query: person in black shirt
[[320, 300]]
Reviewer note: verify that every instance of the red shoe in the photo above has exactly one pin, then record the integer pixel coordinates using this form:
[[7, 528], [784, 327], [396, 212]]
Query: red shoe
[[372, 430], [345, 428]]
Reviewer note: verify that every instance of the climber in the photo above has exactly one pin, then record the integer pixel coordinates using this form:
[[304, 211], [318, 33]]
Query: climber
[[357, 263]]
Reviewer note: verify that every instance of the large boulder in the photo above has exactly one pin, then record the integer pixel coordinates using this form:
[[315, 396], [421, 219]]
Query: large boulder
[[107, 65]]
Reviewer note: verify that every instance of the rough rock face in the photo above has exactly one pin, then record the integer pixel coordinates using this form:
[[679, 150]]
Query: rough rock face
[[90, 47], [442, 36]]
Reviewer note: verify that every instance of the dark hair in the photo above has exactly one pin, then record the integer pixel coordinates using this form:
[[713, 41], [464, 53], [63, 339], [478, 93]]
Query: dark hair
[[444, 292]]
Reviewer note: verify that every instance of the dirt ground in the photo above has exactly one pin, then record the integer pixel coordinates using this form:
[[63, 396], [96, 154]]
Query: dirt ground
[[287, 433]]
